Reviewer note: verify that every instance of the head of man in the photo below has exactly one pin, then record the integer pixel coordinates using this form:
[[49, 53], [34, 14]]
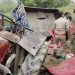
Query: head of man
[[67, 15]]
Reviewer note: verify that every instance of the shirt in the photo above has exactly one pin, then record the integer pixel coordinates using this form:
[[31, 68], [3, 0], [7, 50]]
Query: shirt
[[60, 26]]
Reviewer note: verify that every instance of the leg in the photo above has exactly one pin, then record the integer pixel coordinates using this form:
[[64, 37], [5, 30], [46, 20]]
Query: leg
[[56, 40], [63, 40]]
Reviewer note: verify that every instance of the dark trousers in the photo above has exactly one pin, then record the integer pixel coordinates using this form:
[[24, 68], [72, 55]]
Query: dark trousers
[[66, 35]]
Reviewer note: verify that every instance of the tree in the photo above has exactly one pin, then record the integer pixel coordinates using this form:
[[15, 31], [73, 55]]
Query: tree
[[7, 6], [46, 3], [29, 2]]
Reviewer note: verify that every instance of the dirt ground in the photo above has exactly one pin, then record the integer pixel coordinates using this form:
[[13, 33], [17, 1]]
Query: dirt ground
[[68, 48]]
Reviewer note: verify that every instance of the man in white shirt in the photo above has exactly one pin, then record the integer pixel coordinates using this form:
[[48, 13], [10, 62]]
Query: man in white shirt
[[68, 17], [60, 26]]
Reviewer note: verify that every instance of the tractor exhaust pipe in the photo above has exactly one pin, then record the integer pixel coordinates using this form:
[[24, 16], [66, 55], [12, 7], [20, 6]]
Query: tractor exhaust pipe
[[4, 70]]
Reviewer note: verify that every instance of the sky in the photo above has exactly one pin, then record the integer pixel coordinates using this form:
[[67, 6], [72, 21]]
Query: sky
[[16, 1], [73, 0]]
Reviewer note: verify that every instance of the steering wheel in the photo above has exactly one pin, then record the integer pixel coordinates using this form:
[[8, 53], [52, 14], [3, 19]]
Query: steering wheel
[[6, 23]]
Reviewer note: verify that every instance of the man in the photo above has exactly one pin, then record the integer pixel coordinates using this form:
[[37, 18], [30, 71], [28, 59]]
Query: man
[[60, 26], [68, 17]]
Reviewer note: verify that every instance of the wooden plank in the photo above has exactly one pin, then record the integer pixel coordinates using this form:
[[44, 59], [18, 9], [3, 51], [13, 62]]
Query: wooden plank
[[9, 36]]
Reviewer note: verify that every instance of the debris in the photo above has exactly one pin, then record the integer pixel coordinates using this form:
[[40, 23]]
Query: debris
[[32, 64], [10, 36], [32, 42], [68, 56]]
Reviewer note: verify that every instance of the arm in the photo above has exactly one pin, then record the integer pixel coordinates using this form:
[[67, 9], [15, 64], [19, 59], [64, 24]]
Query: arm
[[67, 27], [53, 27]]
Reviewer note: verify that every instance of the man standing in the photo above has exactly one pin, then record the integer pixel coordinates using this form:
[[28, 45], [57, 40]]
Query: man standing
[[60, 26], [68, 17]]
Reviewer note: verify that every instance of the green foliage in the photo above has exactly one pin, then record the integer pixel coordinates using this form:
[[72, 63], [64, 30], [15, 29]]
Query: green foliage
[[7, 5], [46, 3], [29, 2]]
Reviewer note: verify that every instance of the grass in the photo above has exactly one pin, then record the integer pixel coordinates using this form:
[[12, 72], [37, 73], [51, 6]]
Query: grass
[[51, 61]]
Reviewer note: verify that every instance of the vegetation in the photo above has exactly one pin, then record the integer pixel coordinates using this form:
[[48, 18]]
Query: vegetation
[[46, 3], [62, 5], [6, 7]]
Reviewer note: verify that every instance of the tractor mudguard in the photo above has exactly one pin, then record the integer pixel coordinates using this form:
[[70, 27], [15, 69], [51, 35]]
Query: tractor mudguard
[[4, 45]]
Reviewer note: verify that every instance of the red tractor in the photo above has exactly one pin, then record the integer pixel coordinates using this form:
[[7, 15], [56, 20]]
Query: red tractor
[[8, 41], [4, 49]]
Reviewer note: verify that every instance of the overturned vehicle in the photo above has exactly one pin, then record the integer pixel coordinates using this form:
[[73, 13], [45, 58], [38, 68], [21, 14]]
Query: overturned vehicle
[[24, 43]]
